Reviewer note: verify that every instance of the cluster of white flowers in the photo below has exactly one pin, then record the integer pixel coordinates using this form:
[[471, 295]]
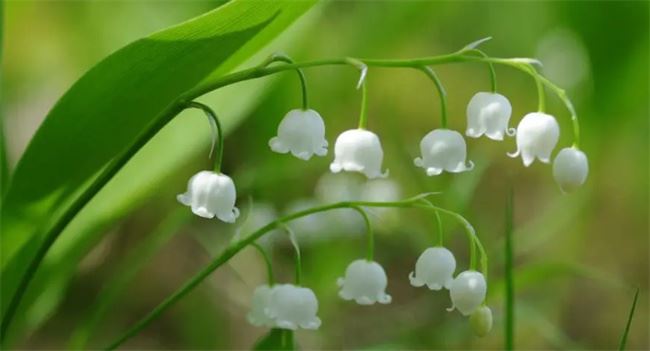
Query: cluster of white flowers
[[365, 282], [302, 133], [442, 150]]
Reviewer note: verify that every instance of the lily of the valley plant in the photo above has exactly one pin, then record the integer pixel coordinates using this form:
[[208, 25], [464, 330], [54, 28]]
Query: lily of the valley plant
[[301, 133]]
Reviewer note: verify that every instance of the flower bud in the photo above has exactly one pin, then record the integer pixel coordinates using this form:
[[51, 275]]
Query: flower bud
[[365, 282], [210, 195], [292, 307], [301, 132], [435, 268], [481, 320], [358, 150], [467, 292], [570, 169], [443, 150], [537, 135], [489, 114]]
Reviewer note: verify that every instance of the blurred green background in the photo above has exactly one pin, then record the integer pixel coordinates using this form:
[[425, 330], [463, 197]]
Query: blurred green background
[[578, 257]]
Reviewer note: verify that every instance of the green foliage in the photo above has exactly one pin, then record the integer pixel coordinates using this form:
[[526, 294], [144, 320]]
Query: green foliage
[[112, 111], [276, 339]]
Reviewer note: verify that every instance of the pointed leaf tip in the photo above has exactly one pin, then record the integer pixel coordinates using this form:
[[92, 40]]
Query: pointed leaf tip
[[477, 43]]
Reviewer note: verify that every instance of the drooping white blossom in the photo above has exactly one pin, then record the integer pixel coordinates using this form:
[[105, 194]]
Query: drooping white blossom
[[489, 114], [258, 315], [210, 195], [285, 306], [364, 282], [481, 320], [467, 292], [358, 150], [301, 132], [434, 268], [570, 169], [443, 150], [537, 135]]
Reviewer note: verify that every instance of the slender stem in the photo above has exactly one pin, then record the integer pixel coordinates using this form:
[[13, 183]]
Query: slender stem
[[281, 57], [363, 112], [212, 117], [493, 74], [267, 261], [472, 255], [441, 92], [441, 234], [509, 276], [236, 247], [469, 230], [561, 93], [623, 342], [541, 94], [370, 255], [296, 248]]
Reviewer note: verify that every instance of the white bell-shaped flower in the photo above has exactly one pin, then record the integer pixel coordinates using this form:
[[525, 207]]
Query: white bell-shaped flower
[[293, 307], [443, 150], [301, 132], [489, 114], [537, 135], [358, 150], [467, 292], [481, 320], [570, 169], [435, 267], [365, 282], [210, 195], [258, 315]]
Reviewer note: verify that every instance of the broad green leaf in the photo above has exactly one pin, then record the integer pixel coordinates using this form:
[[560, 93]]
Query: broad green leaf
[[143, 176], [113, 104], [276, 339]]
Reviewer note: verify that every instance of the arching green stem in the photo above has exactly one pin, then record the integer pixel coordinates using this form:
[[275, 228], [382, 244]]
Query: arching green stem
[[281, 57], [267, 261], [363, 112], [361, 84], [298, 255], [541, 94], [441, 234], [370, 254], [214, 124], [471, 234], [493, 73], [441, 92]]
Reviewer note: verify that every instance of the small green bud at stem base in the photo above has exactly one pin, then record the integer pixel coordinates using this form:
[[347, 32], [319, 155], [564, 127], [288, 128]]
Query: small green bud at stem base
[[481, 321]]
